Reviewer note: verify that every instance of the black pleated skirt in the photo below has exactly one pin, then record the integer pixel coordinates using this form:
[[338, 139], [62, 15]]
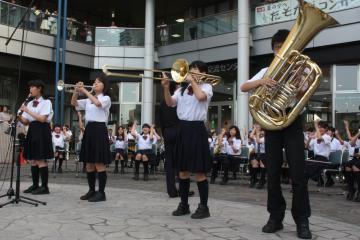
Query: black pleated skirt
[[95, 146], [192, 152], [38, 142]]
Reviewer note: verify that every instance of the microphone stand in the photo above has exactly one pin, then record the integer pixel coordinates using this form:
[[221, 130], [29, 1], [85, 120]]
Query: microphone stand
[[16, 147]]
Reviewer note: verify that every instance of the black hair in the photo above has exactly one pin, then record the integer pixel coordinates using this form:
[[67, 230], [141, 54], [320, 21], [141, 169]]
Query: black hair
[[237, 134], [117, 132], [323, 124], [203, 68], [332, 129], [145, 125], [310, 129], [279, 37], [105, 82], [57, 125], [37, 83]]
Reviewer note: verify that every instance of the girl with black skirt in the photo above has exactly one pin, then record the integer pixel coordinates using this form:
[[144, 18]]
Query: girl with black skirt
[[95, 147], [38, 146], [192, 153], [145, 151], [120, 146], [219, 154]]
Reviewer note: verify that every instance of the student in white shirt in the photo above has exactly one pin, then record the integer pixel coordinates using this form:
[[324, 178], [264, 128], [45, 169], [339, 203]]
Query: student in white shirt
[[258, 164], [352, 167], [120, 147], [95, 148], [144, 152], [68, 136], [58, 139], [291, 138], [192, 152], [38, 146], [131, 144], [233, 149], [219, 153]]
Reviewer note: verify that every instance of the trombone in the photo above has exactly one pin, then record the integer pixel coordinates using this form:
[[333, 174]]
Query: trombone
[[61, 86], [179, 72]]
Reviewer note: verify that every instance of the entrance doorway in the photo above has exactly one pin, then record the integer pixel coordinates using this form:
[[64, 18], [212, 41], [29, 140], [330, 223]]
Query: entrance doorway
[[220, 115]]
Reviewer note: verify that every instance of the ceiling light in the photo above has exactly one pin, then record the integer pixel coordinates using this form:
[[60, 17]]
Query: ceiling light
[[176, 35], [228, 88], [180, 20], [326, 80]]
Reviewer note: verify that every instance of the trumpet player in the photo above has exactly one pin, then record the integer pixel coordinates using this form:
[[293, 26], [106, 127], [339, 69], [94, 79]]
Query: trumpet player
[[95, 147], [291, 138]]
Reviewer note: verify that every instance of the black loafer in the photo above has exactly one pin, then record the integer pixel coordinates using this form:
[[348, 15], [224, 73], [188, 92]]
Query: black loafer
[[303, 230], [41, 191], [98, 197], [350, 196], [31, 188], [272, 226], [201, 212], [88, 195], [136, 177], [181, 210]]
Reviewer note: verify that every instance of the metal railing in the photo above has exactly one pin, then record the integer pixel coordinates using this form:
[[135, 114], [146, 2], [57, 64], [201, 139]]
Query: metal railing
[[45, 22]]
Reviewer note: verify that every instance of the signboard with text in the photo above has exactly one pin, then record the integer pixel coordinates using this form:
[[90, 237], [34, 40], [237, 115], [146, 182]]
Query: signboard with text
[[288, 10]]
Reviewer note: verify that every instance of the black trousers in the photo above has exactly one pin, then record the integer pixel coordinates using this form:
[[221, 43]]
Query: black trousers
[[292, 139], [169, 141]]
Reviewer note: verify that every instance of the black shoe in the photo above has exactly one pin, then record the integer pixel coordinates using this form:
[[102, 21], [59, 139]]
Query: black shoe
[[201, 212], [88, 195], [122, 171], [357, 198], [98, 197], [136, 177], [60, 170], [260, 185], [191, 193], [116, 170], [252, 183], [40, 191], [31, 188], [234, 176], [146, 177], [181, 210], [173, 195], [272, 226], [212, 180], [329, 183], [224, 181], [303, 230], [350, 196]]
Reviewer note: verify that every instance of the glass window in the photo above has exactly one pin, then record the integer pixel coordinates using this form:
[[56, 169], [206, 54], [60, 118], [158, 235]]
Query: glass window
[[129, 113], [320, 105], [325, 84], [347, 107], [346, 77], [114, 92], [130, 92]]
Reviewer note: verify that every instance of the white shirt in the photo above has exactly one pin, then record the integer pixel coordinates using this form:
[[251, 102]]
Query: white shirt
[[189, 108], [94, 113], [335, 145], [223, 146], [145, 144], [350, 148], [44, 108], [120, 143], [58, 141], [260, 146], [323, 148], [259, 75], [68, 135], [236, 144]]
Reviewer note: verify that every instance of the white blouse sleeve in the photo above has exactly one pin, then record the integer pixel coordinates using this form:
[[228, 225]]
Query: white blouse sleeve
[[46, 108], [207, 89], [105, 102], [259, 75], [81, 104]]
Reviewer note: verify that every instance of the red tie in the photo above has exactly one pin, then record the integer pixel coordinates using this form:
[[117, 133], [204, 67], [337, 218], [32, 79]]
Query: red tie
[[190, 91], [35, 103]]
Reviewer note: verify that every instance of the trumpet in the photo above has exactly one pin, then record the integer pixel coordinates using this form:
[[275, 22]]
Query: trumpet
[[179, 72], [61, 86]]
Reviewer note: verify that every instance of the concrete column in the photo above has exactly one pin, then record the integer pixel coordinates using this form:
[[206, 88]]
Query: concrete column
[[147, 84], [242, 111]]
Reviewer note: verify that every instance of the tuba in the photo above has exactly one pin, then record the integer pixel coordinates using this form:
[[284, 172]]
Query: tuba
[[276, 108]]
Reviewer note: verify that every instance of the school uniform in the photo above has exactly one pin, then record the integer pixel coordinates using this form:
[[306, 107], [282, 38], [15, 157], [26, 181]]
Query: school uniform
[[322, 150], [353, 150], [352, 176], [232, 149], [58, 140], [192, 148], [335, 145], [192, 153], [292, 139], [38, 143], [95, 146], [120, 145], [218, 159]]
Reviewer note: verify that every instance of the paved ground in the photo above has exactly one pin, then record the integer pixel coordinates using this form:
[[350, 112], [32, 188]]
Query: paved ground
[[141, 210]]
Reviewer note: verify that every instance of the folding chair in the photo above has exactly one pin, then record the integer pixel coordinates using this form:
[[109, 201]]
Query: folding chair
[[335, 162]]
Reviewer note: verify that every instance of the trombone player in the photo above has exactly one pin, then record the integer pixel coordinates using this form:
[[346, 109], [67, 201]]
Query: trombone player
[[291, 138]]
